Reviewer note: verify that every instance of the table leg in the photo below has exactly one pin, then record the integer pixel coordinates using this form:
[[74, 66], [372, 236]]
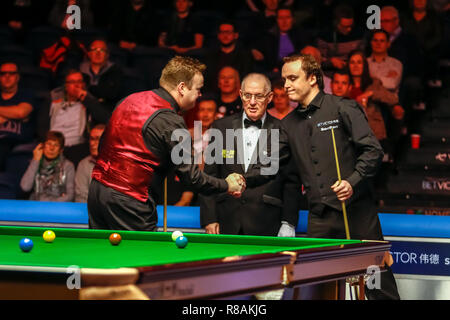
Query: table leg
[[361, 288]]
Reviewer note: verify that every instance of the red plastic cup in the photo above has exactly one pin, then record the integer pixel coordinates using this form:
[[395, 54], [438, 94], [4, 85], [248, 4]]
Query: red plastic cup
[[415, 141]]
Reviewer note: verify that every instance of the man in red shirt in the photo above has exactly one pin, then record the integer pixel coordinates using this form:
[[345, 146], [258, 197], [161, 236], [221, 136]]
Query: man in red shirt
[[136, 152]]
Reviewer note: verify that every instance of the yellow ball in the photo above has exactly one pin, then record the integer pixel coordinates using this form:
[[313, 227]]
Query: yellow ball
[[49, 236]]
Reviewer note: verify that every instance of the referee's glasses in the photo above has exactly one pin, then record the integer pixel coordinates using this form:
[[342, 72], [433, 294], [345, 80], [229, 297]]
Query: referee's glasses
[[258, 97]]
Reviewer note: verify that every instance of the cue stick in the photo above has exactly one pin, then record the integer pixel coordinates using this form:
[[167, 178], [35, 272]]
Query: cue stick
[[165, 205], [344, 210]]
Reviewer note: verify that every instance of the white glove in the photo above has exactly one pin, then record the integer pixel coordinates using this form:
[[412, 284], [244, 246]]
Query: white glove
[[286, 230]]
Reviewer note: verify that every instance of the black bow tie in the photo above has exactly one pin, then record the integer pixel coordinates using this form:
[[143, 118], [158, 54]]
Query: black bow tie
[[249, 123]]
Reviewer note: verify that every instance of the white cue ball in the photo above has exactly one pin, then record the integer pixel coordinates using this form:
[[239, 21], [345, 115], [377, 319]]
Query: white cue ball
[[176, 234]]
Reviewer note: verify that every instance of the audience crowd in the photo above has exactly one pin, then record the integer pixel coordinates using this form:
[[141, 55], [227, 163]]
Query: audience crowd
[[59, 85]]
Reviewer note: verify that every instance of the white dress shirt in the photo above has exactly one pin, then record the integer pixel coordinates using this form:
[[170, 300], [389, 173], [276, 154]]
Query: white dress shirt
[[250, 137]]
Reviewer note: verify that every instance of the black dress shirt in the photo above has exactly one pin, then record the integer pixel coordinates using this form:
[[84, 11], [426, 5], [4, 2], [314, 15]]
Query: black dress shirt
[[310, 139]]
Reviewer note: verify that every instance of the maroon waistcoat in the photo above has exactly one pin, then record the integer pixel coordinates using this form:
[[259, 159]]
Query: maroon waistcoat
[[124, 162]]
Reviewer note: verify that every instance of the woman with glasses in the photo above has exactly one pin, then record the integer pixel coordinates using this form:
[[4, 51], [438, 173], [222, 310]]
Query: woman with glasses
[[50, 176]]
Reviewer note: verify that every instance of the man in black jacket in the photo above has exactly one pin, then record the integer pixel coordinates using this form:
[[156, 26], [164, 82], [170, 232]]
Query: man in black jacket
[[103, 77], [228, 52], [343, 36], [282, 40], [309, 132], [260, 209]]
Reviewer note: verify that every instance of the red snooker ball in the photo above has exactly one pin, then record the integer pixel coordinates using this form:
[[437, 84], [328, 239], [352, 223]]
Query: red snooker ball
[[115, 239]]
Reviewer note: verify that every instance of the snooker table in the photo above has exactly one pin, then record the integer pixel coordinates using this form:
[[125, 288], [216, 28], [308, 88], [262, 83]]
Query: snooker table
[[83, 264]]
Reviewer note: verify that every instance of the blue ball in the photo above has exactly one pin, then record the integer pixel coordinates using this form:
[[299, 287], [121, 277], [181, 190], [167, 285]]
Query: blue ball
[[26, 244], [181, 242]]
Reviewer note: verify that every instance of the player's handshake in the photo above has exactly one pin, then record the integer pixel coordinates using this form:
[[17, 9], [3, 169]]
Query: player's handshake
[[236, 184]]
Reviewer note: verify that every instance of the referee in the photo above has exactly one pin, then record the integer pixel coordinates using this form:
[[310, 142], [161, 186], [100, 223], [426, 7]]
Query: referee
[[360, 154]]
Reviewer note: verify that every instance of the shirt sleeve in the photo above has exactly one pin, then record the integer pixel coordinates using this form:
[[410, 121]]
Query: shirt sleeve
[[28, 97], [381, 94], [158, 138], [82, 181], [292, 193], [27, 181], [70, 183], [368, 150], [197, 26], [100, 112]]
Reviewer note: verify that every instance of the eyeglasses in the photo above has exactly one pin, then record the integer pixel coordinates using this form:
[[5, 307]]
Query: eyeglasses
[[258, 97], [9, 73], [389, 20], [98, 50], [379, 40], [52, 144], [346, 24]]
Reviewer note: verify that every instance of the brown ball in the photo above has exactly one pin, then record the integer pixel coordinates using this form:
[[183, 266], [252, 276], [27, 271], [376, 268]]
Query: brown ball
[[115, 239]]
